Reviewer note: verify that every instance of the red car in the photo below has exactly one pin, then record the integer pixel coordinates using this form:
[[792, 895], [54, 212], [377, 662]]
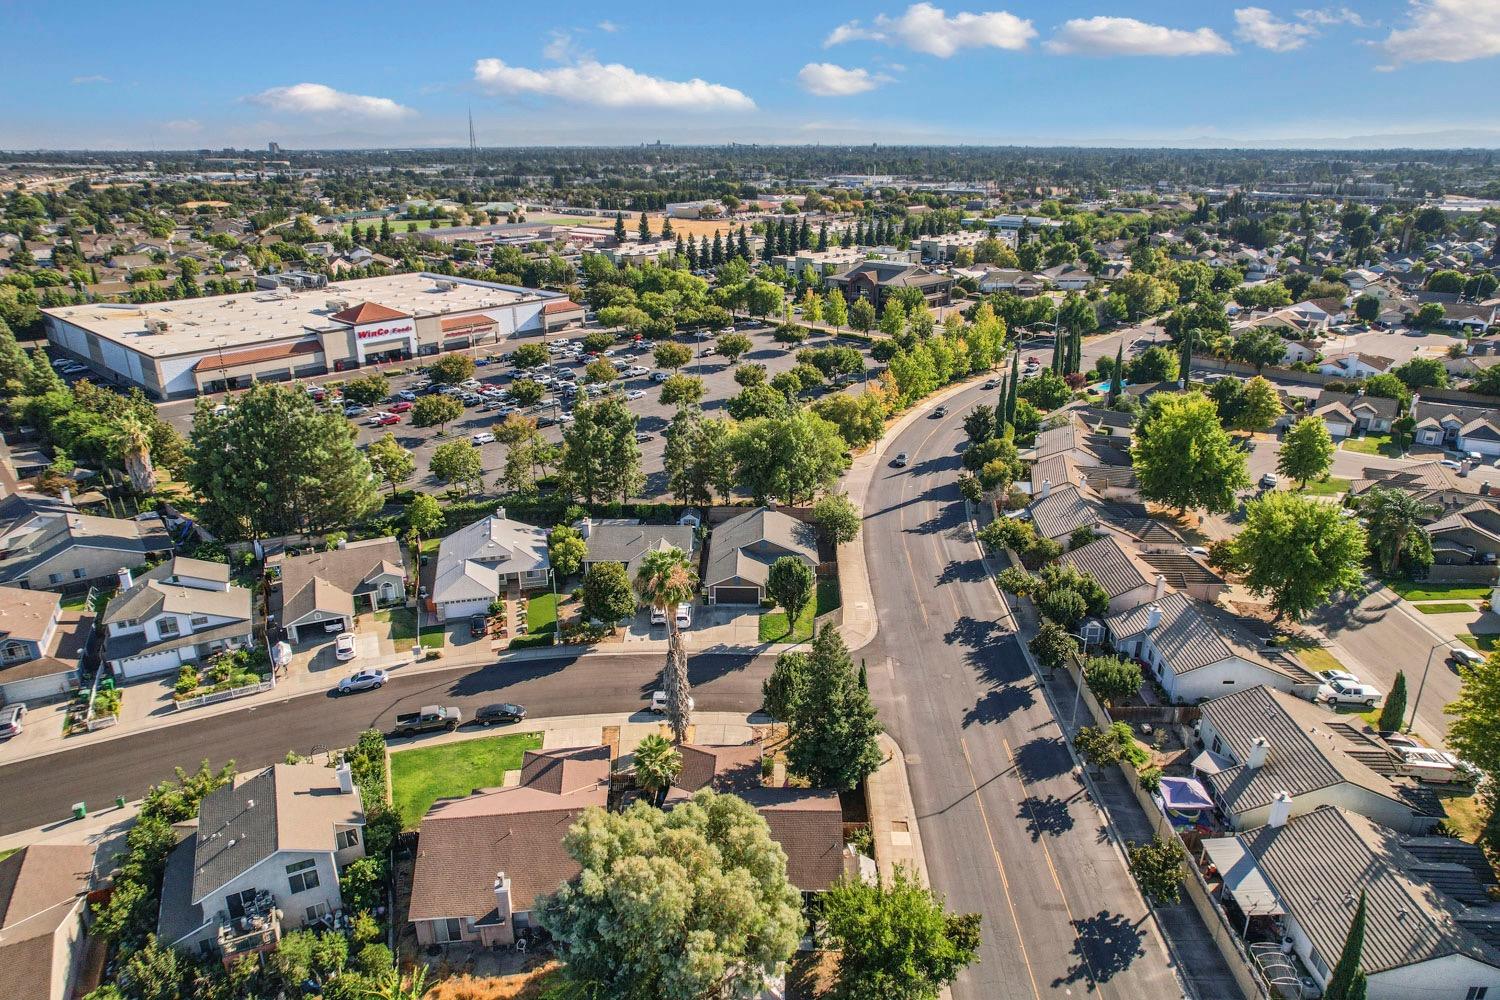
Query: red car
[[400, 407], [385, 420]]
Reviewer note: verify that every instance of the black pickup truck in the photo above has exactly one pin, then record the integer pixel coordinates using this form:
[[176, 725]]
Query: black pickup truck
[[429, 719]]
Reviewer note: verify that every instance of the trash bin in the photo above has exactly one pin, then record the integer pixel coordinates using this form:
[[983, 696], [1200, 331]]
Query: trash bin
[[119, 802], [80, 810]]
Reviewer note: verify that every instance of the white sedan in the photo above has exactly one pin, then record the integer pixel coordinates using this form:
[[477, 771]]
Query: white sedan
[[635, 394], [483, 437], [1342, 692], [343, 646], [636, 371]]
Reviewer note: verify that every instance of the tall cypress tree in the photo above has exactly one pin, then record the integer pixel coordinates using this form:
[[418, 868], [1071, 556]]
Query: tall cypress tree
[[1393, 712], [1015, 383], [1077, 349], [678, 250], [1117, 377], [1347, 969], [1057, 352], [644, 229], [692, 253], [768, 252], [666, 227], [804, 236], [859, 233], [744, 250], [823, 237], [1187, 355], [718, 250]]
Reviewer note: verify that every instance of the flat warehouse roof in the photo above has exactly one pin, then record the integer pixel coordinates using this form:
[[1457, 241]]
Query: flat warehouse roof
[[246, 318]]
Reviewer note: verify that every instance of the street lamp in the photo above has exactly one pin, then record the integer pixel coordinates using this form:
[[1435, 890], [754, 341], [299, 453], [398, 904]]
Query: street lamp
[[1093, 630], [1445, 644]]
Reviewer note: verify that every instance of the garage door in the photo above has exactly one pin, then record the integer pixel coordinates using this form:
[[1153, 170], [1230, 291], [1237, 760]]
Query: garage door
[[462, 609], [736, 595]]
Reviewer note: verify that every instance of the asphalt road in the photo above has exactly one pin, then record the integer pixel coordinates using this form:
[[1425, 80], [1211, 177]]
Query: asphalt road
[[42, 790], [1006, 826]]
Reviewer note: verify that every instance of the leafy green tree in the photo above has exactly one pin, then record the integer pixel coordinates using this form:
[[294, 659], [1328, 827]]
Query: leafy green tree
[[699, 457], [657, 764], [1154, 364], [451, 369], [1423, 373], [1367, 308], [732, 346], [681, 904], [1258, 346], [1051, 645], [790, 584], [752, 374], [597, 341], [567, 549], [1298, 551], [607, 596], [436, 410], [836, 310], [1347, 970], [1260, 406], [391, 462], [295, 469], [1388, 386], [362, 884], [1063, 606], [664, 580], [1105, 745], [1158, 869], [424, 518], [40, 377], [837, 517], [672, 356], [601, 459], [782, 689], [1111, 678], [979, 423], [862, 316], [1183, 458], [600, 371], [894, 940], [1306, 451], [457, 462], [757, 401], [1394, 522], [525, 391], [833, 734], [367, 389], [1393, 711], [792, 458], [682, 390], [1045, 390], [529, 356]]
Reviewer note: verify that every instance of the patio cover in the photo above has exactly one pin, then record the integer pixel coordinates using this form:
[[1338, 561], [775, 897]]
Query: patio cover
[[1184, 795], [1242, 879], [1209, 762]]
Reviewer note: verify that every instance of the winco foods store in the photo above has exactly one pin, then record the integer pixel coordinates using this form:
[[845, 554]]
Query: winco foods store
[[179, 349]]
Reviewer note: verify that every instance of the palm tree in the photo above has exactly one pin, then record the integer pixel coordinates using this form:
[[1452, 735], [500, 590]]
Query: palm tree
[[657, 764], [394, 986], [1394, 519], [135, 443], [664, 581]]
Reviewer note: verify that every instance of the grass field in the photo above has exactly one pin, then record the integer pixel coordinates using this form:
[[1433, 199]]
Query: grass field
[[1465, 812], [773, 624], [1481, 643], [421, 777], [1372, 444], [541, 614], [1315, 657], [1331, 486], [1416, 590], [1444, 608], [403, 622]]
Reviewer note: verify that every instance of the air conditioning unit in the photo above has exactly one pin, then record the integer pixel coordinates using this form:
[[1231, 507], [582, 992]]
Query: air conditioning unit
[[337, 305], [156, 326], [446, 286]]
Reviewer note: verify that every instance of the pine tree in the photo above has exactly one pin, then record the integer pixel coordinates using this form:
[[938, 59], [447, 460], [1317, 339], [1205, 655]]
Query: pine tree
[[678, 250], [859, 234], [1393, 712], [666, 229], [692, 254], [768, 251], [744, 245], [1347, 969], [1117, 377], [804, 236], [834, 729], [718, 250], [823, 237], [1015, 383], [644, 229], [619, 227]]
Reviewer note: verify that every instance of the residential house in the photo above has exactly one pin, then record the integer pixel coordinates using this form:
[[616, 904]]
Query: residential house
[[1010, 279], [323, 587], [742, 549], [1430, 482], [1430, 925], [1125, 576], [1468, 535], [1347, 414], [184, 610], [1196, 652], [43, 911], [41, 645], [1187, 573], [1301, 351], [627, 541], [1458, 427], [263, 857], [1068, 277], [1355, 365], [46, 544], [1261, 746], [874, 280], [480, 562]]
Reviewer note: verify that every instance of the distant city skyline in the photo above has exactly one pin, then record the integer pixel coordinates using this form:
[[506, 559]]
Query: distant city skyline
[[1387, 73]]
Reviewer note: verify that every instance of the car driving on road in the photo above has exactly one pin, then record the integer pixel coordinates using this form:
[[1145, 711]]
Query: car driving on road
[[900, 460], [365, 680]]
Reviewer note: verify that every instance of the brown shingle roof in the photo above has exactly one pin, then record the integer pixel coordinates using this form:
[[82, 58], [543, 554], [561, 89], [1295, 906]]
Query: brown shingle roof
[[565, 770], [38, 888], [727, 768], [809, 825]]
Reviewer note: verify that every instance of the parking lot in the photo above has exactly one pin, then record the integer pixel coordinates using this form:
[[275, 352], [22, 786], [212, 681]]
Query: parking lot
[[653, 416]]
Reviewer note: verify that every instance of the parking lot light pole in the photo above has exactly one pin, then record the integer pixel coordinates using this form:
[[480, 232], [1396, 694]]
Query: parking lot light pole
[[1423, 684]]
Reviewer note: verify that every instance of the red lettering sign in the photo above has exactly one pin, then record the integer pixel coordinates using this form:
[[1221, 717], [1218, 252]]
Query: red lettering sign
[[384, 331]]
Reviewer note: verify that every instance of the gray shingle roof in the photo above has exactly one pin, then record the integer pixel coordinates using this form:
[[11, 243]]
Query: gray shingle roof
[[470, 559], [780, 534], [627, 541], [342, 573], [1109, 563], [1190, 635], [1319, 863]]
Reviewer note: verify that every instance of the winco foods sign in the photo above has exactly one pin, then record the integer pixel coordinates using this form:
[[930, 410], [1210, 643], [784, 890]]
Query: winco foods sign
[[382, 332]]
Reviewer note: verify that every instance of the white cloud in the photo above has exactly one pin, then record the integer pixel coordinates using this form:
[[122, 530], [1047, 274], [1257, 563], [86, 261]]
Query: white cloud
[[831, 80], [925, 28], [560, 48], [609, 85], [1259, 26], [315, 98], [1446, 31], [79, 81], [1125, 36], [608, 27], [183, 125], [1329, 16]]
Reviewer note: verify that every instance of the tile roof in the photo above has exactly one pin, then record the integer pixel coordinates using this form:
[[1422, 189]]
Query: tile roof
[[1181, 569], [1318, 864], [219, 361], [368, 312]]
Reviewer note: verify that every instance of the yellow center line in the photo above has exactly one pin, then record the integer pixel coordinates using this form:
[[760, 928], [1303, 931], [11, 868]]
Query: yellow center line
[[1052, 868], [1000, 867]]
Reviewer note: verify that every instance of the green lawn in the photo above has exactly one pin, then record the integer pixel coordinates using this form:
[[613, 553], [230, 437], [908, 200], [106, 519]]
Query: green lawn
[[421, 777], [1420, 590], [1480, 643], [541, 614], [1444, 608], [1466, 813], [1331, 486], [1314, 657], [403, 622], [1372, 444], [773, 624], [8, 852], [75, 602]]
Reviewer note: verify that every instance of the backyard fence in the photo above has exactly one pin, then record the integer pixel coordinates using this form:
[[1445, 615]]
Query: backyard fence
[[214, 697]]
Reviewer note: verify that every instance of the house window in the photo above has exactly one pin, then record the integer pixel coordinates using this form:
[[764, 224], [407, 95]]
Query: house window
[[237, 902], [1217, 747], [302, 876], [448, 930], [347, 839], [79, 574], [315, 912], [198, 621], [15, 651], [1477, 993], [54, 578], [167, 626]]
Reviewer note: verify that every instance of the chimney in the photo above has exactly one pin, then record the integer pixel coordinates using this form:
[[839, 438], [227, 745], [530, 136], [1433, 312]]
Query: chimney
[[1281, 810], [126, 581], [502, 895], [1153, 617], [346, 778], [1258, 751], [1161, 586], [500, 513], [66, 496], [1046, 488], [586, 526]]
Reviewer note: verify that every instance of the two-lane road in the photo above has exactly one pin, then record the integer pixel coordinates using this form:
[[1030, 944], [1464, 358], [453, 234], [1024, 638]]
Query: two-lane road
[[41, 790], [1006, 826]]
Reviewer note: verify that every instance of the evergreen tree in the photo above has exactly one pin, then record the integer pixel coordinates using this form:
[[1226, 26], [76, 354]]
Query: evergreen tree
[[768, 251], [666, 229], [718, 250], [1117, 377], [692, 253], [1393, 712], [859, 233], [1013, 388], [784, 238], [804, 236], [823, 237], [1186, 365], [833, 733], [1057, 352], [385, 229], [678, 248], [1347, 969], [619, 227], [644, 229], [744, 245], [1076, 362]]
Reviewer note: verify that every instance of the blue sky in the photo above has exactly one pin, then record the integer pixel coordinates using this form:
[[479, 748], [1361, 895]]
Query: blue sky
[[1115, 72]]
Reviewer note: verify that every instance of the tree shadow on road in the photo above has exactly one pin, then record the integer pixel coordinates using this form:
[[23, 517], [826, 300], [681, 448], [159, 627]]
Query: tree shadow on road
[[1107, 944], [1048, 816], [998, 705], [962, 571], [1351, 613], [1042, 758]]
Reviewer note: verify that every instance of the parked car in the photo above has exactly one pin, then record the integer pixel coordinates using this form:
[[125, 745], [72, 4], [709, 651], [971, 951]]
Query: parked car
[[658, 616], [365, 680], [1342, 692], [1268, 481], [10, 721], [659, 703], [635, 394], [1436, 766], [659, 376], [1327, 676], [429, 718], [343, 646], [684, 616], [494, 715], [355, 410], [483, 437], [334, 625], [1449, 463], [1463, 656], [900, 460], [384, 419], [636, 371], [478, 625], [400, 407], [643, 437]]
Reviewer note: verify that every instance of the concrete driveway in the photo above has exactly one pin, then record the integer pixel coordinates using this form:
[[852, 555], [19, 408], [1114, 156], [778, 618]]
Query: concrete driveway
[[713, 625]]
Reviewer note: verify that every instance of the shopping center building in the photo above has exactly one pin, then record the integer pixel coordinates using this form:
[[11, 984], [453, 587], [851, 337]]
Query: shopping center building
[[179, 349]]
